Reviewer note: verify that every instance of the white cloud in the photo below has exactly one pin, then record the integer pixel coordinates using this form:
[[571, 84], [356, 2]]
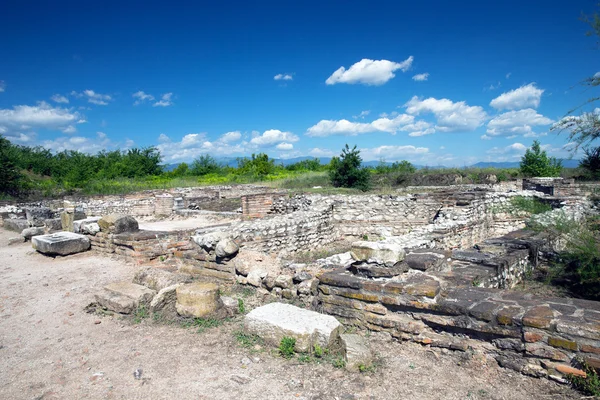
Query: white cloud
[[597, 75], [486, 137], [59, 98], [393, 153], [285, 146], [93, 97], [195, 144], [386, 115], [369, 72], [162, 138], [272, 137], [84, 144], [141, 97], [508, 75], [450, 116], [317, 152], [402, 122], [523, 97], [2, 86], [362, 114], [494, 87], [515, 149], [69, 129], [421, 77], [230, 137], [165, 101], [43, 115], [516, 123], [283, 77]]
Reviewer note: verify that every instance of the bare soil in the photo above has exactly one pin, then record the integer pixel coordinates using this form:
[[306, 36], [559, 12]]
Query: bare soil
[[51, 348]]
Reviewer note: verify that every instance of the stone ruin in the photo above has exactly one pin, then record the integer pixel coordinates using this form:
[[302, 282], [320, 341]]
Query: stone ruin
[[433, 266]]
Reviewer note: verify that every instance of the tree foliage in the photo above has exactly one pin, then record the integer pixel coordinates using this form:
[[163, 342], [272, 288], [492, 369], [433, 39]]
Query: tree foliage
[[346, 171], [259, 165], [536, 162], [591, 162], [205, 164], [10, 177]]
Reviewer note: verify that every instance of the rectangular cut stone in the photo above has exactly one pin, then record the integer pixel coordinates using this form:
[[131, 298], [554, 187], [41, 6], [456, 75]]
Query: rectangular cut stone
[[274, 321], [538, 317], [61, 243]]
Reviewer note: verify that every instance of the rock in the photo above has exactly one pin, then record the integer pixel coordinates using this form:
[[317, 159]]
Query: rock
[[36, 215], [60, 243], [226, 248], [255, 277], [53, 224], [90, 228], [377, 253], [308, 287], [66, 221], [16, 240], [241, 379], [337, 260], [28, 233], [118, 223], [231, 305], [198, 299], [289, 293], [165, 301], [274, 321], [284, 281], [424, 259], [158, 279], [355, 351], [209, 241], [124, 297], [369, 270], [16, 225], [301, 276], [78, 225]]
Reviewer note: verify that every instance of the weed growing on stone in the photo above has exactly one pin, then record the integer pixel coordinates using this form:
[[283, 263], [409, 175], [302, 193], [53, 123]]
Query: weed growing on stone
[[140, 314], [304, 358], [590, 385], [241, 306], [286, 347]]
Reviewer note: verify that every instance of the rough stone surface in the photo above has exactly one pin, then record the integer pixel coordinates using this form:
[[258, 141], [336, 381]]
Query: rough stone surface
[[60, 243], [118, 223], [16, 225], [66, 221], [36, 215], [209, 241], [79, 225], [90, 228], [28, 233], [378, 253], [274, 321], [424, 260], [158, 279], [198, 299], [124, 297], [165, 300], [226, 248], [356, 352], [231, 305]]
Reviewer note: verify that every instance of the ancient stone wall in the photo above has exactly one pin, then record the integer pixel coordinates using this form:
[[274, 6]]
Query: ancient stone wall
[[260, 205]]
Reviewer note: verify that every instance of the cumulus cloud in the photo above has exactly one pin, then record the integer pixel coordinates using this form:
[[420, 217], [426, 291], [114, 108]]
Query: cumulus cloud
[[402, 122], [393, 153], [57, 98], [165, 101], [141, 97], [193, 145], [42, 115], [362, 114], [450, 116], [516, 123], [369, 72], [93, 97], [317, 152], [523, 97], [421, 77], [85, 144], [284, 146], [515, 149], [230, 137], [273, 137], [283, 77]]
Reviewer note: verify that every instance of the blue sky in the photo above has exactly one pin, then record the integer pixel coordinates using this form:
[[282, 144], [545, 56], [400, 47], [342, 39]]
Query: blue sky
[[432, 82]]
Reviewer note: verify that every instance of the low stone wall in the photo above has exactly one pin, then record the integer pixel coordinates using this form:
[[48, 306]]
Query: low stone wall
[[260, 205]]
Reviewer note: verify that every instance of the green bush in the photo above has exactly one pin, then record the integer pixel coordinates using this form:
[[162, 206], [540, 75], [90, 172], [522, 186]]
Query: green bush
[[590, 385], [536, 162], [346, 171], [530, 205], [591, 162]]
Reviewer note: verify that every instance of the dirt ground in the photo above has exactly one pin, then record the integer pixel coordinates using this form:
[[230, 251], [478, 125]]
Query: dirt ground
[[51, 348]]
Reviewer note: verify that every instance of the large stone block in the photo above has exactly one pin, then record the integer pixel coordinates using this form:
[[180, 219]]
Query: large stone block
[[158, 279], [209, 241], [379, 253], [356, 352], [60, 243], [426, 260], [36, 215], [165, 301], [124, 297], [118, 223], [226, 248], [28, 233], [16, 225], [198, 299], [78, 225], [66, 221], [274, 321]]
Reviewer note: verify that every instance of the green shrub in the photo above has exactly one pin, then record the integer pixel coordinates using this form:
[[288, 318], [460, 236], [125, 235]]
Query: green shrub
[[318, 351], [536, 162], [590, 385], [530, 205], [286, 347], [346, 171]]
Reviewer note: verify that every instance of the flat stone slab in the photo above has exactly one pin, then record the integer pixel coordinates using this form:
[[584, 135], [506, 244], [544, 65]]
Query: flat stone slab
[[387, 254], [356, 352], [60, 243], [124, 297], [274, 321], [16, 225]]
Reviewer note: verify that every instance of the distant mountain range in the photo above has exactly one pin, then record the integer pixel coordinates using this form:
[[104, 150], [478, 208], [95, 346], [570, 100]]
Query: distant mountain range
[[232, 162]]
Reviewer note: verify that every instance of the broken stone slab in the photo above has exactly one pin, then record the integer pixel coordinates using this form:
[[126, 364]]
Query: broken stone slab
[[158, 279], [118, 223], [209, 241], [16, 240], [232, 306], [471, 256], [356, 353], [16, 225], [377, 253], [90, 228], [124, 297], [274, 321], [165, 301], [78, 225], [53, 224], [60, 243], [337, 260], [28, 233], [37, 215], [226, 248], [426, 259], [369, 270], [198, 299], [256, 276]]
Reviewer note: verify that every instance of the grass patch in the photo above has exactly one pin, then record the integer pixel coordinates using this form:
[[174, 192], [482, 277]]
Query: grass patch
[[202, 324], [140, 314], [247, 340]]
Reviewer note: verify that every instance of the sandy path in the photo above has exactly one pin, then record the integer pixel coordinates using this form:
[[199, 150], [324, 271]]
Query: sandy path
[[50, 348]]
